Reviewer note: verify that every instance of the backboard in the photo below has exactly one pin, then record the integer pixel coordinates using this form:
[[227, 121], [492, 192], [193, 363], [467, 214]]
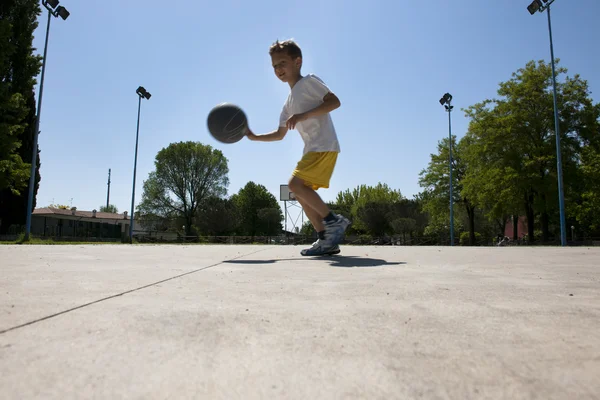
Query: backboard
[[285, 194]]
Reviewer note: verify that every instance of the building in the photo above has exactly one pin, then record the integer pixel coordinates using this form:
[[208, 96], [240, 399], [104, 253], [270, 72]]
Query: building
[[93, 225], [521, 227]]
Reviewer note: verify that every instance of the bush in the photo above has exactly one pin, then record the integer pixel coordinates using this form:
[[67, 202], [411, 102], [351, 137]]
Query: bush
[[464, 238]]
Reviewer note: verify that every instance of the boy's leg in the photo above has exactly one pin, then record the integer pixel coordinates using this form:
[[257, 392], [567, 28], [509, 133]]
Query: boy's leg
[[313, 216], [309, 197], [320, 246], [312, 172], [333, 225]]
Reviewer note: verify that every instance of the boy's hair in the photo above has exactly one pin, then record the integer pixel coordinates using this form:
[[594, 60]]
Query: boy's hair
[[290, 47]]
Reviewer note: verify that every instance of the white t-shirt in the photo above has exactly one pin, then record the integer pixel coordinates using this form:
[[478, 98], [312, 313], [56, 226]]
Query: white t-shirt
[[318, 133]]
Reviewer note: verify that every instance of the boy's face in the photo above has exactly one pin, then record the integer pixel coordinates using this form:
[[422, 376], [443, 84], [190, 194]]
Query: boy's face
[[285, 67]]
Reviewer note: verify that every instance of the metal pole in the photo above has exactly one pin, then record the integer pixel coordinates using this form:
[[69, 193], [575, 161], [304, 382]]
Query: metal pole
[[450, 164], [561, 198], [108, 193], [35, 137], [134, 171], [285, 207]]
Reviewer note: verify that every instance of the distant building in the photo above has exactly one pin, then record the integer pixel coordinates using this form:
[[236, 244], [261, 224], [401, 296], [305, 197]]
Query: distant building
[[57, 222], [521, 227]]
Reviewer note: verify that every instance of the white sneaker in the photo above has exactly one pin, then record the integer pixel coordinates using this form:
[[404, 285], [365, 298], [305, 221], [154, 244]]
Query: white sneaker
[[319, 248]]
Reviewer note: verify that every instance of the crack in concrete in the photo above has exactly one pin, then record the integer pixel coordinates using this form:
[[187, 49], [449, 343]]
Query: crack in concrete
[[124, 293]]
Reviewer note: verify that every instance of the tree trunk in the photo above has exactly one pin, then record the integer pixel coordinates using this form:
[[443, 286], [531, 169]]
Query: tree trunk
[[545, 230], [544, 220], [471, 214], [502, 224], [530, 217], [188, 225]]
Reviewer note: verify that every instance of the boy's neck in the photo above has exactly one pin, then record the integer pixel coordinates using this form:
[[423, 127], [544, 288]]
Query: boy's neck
[[295, 80]]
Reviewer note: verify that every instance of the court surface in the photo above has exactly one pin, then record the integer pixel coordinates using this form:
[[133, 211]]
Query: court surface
[[263, 322]]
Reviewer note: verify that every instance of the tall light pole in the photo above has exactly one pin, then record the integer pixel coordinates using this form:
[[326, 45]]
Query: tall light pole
[[108, 191], [534, 7], [142, 93], [446, 101], [57, 11]]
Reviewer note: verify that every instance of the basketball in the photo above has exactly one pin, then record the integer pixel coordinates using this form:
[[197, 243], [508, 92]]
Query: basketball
[[227, 123]]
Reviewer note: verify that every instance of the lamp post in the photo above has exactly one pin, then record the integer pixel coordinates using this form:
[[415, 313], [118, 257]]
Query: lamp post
[[538, 6], [142, 93], [446, 101], [57, 11]]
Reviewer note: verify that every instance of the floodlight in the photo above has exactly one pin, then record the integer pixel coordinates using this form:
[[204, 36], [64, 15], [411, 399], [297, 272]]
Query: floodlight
[[142, 92], [64, 14], [534, 6], [447, 98], [53, 3]]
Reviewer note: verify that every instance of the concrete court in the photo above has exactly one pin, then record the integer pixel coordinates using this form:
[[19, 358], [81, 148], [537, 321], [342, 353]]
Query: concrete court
[[250, 322]]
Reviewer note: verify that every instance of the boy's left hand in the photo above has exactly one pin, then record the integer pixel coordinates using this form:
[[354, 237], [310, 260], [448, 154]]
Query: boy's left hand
[[294, 119]]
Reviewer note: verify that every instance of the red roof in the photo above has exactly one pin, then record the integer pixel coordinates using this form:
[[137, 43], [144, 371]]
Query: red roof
[[85, 214]]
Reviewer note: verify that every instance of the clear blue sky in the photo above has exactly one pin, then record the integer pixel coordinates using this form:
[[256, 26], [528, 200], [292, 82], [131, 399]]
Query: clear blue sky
[[389, 62]]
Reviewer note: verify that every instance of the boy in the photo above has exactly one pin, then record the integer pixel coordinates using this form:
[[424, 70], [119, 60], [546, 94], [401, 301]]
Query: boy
[[307, 109]]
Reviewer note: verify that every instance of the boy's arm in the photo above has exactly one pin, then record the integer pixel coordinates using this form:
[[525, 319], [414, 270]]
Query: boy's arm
[[330, 103], [268, 137]]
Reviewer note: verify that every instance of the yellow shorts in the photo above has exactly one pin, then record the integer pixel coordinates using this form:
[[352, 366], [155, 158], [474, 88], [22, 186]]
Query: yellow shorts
[[316, 168]]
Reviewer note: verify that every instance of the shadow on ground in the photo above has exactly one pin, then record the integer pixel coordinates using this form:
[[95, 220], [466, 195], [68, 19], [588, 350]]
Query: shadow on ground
[[334, 261]]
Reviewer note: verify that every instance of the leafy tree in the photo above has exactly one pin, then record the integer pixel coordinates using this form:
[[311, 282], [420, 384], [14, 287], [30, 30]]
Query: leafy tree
[[359, 205], [436, 181], [437, 211], [249, 201], [587, 211], [217, 216], [513, 143], [111, 208], [271, 217], [373, 216], [59, 206], [465, 238], [412, 209], [307, 229], [404, 226], [18, 69], [582, 194], [186, 173]]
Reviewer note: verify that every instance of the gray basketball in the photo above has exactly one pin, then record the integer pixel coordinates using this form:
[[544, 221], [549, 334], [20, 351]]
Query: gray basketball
[[227, 123]]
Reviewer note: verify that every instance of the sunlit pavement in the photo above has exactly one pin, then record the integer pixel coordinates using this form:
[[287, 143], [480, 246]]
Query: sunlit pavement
[[200, 321]]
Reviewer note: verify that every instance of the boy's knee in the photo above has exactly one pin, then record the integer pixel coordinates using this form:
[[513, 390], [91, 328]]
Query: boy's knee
[[295, 184]]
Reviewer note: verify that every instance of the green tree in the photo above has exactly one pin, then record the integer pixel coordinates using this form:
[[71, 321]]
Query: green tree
[[307, 229], [271, 218], [249, 201], [59, 206], [18, 69], [436, 181], [374, 217], [111, 208], [404, 226], [513, 143], [490, 180], [367, 206], [186, 173], [217, 216], [587, 210], [411, 209]]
